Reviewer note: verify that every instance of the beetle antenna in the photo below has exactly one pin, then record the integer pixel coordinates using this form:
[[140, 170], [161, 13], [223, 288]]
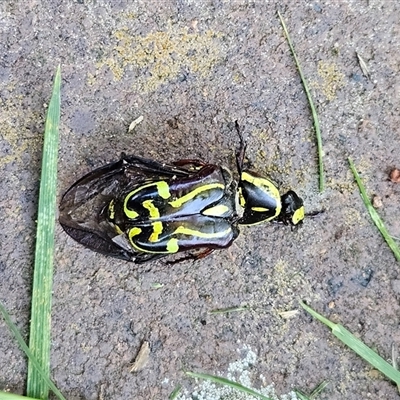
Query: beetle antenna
[[314, 213], [240, 152]]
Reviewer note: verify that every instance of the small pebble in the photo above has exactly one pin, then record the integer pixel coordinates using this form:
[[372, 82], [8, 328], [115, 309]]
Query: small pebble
[[395, 175], [377, 201]]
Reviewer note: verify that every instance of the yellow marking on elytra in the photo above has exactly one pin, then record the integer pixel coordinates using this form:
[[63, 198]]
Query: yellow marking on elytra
[[157, 230], [111, 209], [189, 196], [242, 200], [134, 232], [216, 211], [172, 246], [118, 230], [298, 215], [153, 210], [187, 231], [131, 214], [162, 189], [260, 209]]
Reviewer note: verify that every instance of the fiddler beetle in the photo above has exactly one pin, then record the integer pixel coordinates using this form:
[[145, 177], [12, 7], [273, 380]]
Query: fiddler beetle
[[139, 210]]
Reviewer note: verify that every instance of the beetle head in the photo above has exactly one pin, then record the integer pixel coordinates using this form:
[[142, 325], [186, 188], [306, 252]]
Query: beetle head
[[292, 209]]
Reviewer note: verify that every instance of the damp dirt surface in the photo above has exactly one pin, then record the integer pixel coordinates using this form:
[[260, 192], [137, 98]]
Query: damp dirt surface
[[191, 69]]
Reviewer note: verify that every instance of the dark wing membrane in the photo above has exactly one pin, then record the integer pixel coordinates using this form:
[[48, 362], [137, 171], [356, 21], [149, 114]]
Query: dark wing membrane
[[81, 206], [98, 241], [154, 168]]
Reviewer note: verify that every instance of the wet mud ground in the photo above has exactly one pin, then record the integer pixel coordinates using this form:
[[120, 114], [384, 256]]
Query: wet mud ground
[[191, 69]]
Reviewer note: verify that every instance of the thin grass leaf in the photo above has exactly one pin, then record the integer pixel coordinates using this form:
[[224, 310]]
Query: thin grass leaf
[[374, 215], [314, 393], [39, 342], [29, 354], [175, 393], [312, 107], [11, 396], [228, 310], [394, 360], [319, 389], [357, 346], [301, 395], [227, 382]]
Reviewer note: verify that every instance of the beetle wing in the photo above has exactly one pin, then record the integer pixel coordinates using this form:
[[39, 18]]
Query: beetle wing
[[154, 168], [81, 206], [98, 241]]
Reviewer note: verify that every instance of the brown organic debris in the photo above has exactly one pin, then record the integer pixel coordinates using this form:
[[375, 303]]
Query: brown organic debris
[[363, 66], [133, 124], [141, 358], [395, 175]]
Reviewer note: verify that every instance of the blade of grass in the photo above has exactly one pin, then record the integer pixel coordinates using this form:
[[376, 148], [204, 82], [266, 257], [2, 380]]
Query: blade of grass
[[314, 393], [29, 354], [227, 382], [175, 393], [374, 215], [394, 361], [312, 107], [228, 310], [11, 396], [319, 389], [357, 346], [301, 395], [39, 341]]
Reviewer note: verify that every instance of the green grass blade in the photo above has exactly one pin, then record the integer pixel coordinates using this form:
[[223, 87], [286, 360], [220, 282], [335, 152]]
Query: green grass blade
[[319, 389], [301, 395], [374, 215], [39, 342], [10, 396], [312, 107], [227, 382], [229, 310], [29, 354], [174, 394], [358, 346], [316, 392]]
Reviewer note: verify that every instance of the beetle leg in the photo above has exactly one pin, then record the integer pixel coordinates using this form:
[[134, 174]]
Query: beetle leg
[[314, 214], [240, 152], [192, 256], [203, 254], [189, 161], [145, 257]]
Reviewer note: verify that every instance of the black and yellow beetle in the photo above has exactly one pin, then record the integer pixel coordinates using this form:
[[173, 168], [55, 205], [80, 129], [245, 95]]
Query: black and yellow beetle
[[139, 210]]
